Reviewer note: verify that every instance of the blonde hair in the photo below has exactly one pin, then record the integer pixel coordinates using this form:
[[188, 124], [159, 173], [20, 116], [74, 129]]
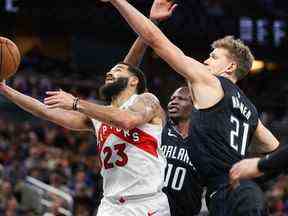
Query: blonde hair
[[239, 52]]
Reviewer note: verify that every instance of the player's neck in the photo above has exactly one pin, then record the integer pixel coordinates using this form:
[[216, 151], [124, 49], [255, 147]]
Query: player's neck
[[230, 77], [122, 97], [183, 128], [233, 79]]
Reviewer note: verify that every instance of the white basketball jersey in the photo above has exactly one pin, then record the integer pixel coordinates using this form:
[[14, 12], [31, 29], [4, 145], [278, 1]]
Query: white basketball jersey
[[132, 161]]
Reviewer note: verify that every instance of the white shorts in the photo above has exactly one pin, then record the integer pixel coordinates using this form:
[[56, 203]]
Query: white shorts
[[142, 205]]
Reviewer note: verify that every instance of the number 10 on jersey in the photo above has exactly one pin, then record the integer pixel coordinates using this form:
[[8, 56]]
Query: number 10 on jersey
[[177, 176]]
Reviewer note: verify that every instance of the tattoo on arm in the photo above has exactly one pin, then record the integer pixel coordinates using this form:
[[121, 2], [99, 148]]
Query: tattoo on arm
[[146, 105]]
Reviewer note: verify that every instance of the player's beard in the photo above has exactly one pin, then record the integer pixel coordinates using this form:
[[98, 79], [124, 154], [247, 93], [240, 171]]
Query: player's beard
[[110, 90]]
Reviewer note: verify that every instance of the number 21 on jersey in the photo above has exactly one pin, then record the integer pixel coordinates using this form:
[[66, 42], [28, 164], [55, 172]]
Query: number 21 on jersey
[[236, 141]]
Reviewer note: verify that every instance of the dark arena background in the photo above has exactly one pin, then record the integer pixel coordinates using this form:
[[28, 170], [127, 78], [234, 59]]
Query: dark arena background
[[48, 170]]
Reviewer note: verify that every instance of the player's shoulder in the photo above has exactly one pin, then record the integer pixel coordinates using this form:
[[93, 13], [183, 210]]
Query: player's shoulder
[[148, 100], [149, 96]]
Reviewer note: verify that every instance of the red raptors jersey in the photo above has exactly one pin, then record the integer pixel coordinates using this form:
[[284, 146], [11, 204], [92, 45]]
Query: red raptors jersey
[[132, 161]]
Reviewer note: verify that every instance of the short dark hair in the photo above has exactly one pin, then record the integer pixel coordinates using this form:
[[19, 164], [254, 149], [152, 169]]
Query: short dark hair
[[184, 87], [142, 85]]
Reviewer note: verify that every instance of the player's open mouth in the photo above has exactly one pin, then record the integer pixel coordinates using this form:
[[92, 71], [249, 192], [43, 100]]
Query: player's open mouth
[[109, 80]]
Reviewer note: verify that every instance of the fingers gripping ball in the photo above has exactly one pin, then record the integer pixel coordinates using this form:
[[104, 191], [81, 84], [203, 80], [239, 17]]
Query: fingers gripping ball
[[9, 58]]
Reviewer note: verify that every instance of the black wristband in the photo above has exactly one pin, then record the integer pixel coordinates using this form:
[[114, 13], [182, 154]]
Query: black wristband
[[75, 103], [262, 164], [277, 161]]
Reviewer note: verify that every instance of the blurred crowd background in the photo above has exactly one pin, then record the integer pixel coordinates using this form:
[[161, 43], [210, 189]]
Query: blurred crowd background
[[71, 45]]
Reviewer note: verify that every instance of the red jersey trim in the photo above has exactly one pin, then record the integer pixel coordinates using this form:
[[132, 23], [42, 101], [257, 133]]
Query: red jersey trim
[[136, 137]]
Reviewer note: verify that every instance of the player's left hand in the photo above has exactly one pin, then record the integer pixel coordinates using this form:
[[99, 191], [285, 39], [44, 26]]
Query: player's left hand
[[59, 99], [162, 9], [245, 169]]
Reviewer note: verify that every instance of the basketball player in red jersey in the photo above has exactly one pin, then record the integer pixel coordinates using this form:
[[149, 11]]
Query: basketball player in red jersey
[[128, 132]]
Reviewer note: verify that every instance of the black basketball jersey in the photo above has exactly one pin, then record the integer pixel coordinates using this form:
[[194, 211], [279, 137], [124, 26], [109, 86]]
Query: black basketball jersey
[[221, 134], [181, 183]]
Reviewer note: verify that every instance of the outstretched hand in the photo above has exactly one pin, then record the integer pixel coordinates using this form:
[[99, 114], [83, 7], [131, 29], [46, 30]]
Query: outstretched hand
[[59, 99], [162, 9]]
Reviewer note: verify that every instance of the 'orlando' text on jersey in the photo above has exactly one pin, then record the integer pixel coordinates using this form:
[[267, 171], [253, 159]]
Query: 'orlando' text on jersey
[[181, 183]]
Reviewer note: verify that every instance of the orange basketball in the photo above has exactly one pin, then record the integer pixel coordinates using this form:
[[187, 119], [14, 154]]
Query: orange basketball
[[9, 58]]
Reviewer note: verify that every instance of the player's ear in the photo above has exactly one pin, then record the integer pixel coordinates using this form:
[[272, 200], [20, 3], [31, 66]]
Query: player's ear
[[134, 81], [232, 67]]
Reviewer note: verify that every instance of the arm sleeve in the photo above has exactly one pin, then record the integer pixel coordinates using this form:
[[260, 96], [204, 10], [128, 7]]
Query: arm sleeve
[[276, 161]]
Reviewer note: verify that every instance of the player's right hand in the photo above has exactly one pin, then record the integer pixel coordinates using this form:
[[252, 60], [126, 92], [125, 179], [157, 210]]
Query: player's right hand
[[2, 85], [244, 169], [162, 9]]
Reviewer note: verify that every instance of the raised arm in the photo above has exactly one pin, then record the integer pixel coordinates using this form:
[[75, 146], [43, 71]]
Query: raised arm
[[202, 81], [68, 119], [146, 109], [153, 36], [158, 13], [136, 53]]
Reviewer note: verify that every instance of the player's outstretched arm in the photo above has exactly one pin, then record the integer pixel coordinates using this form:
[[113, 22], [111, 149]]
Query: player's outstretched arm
[[158, 13], [153, 36], [263, 141], [245, 169], [254, 167], [197, 73], [145, 109], [68, 119]]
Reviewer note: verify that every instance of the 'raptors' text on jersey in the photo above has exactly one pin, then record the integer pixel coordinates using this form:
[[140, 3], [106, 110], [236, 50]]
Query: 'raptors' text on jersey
[[132, 161]]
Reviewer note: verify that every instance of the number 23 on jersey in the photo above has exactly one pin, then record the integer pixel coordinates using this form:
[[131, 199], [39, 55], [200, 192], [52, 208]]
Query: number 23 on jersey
[[116, 151]]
